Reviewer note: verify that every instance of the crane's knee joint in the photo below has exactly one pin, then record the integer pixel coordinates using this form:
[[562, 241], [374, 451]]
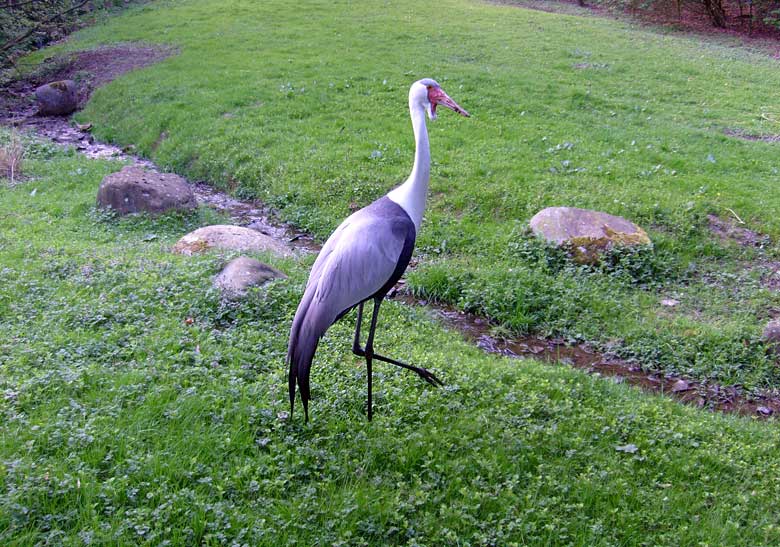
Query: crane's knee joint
[[363, 352]]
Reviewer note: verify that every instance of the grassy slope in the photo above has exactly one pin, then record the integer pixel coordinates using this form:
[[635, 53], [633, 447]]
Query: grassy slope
[[122, 424], [304, 107]]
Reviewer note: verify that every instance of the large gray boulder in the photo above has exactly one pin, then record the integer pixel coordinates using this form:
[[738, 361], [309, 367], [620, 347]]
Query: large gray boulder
[[225, 236], [57, 98], [242, 273], [135, 189], [588, 233]]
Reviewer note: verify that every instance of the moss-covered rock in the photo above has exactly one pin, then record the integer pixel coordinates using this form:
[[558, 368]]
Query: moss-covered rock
[[586, 233]]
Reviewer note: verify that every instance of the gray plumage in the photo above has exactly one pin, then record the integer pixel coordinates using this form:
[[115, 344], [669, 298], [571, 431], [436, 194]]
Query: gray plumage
[[365, 256], [353, 266]]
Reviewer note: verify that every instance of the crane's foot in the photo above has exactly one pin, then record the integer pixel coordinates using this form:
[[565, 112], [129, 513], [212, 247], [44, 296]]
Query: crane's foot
[[425, 374], [428, 376]]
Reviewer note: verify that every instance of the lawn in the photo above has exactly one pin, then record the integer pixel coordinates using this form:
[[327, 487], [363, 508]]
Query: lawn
[[304, 107], [138, 408]]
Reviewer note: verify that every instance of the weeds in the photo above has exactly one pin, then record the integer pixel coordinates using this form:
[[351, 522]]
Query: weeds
[[12, 155]]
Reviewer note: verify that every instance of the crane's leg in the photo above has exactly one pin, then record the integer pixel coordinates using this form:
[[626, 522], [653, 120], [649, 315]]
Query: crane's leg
[[370, 412], [369, 354], [356, 349], [425, 374]]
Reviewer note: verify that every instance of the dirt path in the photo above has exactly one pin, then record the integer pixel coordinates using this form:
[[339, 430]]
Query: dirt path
[[256, 216]]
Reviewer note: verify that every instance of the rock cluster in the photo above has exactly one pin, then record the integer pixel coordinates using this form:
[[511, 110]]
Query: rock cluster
[[135, 189]]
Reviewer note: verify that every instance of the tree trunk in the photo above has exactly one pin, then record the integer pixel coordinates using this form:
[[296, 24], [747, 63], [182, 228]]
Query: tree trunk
[[715, 11]]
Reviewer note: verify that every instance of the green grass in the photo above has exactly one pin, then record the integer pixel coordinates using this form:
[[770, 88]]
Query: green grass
[[304, 107], [122, 423]]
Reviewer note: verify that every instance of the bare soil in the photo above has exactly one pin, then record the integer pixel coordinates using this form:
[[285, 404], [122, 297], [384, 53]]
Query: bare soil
[[90, 69], [745, 136], [734, 230]]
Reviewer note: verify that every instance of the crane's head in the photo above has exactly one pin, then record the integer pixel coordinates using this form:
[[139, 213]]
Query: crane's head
[[429, 94]]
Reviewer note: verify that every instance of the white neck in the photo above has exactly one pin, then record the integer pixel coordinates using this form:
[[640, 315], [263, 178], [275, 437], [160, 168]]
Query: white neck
[[411, 195]]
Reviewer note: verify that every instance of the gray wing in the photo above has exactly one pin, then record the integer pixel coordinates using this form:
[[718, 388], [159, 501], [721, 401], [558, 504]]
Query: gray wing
[[357, 261], [361, 262]]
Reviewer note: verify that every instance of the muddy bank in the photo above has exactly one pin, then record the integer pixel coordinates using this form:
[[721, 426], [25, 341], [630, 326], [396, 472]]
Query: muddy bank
[[708, 396], [92, 69], [89, 69]]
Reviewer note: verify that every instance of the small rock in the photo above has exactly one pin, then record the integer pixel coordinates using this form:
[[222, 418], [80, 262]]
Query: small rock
[[771, 335], [225, 236], [681, 385], [764, 410], [669, 302], [57, 98], [134, 189], [242, 273], [587, 232]]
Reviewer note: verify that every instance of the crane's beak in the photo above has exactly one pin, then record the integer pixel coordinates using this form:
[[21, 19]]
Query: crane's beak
[[437, 96]]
